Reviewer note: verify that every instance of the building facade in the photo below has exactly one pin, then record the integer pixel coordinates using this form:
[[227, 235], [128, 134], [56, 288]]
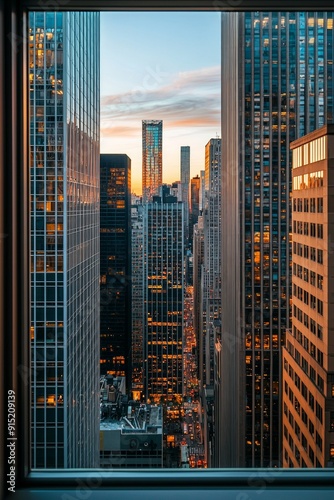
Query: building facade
[[201, 190], [277, 76], [211, 323], [308, 355], [131, 432], [65, 213], [151, 158], [115, 265], [164, 298], [185, 180], [194, 189], [138, 284], [199, 313]]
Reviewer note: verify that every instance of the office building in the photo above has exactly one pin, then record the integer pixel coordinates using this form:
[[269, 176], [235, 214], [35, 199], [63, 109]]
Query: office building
[[152, 158], [164, 298], [185, 180], [211, 274], [277, 76], [308, 355], [138, 284], [115, 266], [175, 190], [193, 205], [201, 190], [65, 220], [199, 313]]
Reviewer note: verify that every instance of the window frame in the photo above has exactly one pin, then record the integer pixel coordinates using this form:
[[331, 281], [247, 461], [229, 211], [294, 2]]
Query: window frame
[[14, 286]]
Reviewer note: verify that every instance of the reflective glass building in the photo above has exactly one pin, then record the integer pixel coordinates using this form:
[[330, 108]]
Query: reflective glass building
[[277, 81], [152, 158], [65, 212], [115, 265]]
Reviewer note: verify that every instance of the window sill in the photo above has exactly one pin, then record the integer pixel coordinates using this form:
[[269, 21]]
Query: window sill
[[243, 484]]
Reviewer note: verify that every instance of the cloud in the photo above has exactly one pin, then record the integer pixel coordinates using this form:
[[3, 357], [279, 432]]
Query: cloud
[[189, 99], [119, 131]]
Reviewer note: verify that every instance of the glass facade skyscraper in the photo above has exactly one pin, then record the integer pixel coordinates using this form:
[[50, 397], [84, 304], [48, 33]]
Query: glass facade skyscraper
[[164, 298], [115, 265], [277, 84], [65, 212], [152, 158]]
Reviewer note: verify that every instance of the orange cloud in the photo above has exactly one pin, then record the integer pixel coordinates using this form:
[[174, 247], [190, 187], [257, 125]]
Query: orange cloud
[[212, 120], [120, 131]]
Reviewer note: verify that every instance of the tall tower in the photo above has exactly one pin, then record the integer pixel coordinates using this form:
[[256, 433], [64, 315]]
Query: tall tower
[[277, 76], [185, 179], [152, 158], [211, 322], [115, 266], [308, 356], [137, 301], [194, 189], [164, 298], [199, 313], [201, 190], [65, 219]]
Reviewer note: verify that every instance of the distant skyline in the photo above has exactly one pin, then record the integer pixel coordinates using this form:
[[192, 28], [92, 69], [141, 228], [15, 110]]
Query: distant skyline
[[160, 66]]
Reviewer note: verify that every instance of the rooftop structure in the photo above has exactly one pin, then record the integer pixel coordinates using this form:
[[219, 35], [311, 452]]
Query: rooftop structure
[[130, 432]]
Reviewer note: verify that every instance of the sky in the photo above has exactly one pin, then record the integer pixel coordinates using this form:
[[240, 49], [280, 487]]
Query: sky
[[160, 66]]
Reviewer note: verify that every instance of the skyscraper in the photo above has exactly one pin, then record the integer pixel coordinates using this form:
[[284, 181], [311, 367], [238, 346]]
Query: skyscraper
[[137, 301], [201, 190], [65, 213], [199, 313], [115, 265], [185, 179], [164, 298], [152, 158], [277, 76], [211, 275], [308, 356], [193, 204]]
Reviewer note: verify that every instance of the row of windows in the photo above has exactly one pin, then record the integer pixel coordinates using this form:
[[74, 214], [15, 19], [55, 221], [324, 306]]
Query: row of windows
[[310, 153], [302, 438], [308, 181], [298, 433], [305, 419], [316, 230], [309, 276], [295, 450], [315, 304], [307, 344], [315, 328], [314, 254], [313, 205], [304, 365], [308, 299]]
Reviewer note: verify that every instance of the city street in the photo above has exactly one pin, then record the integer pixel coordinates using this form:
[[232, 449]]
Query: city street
[[191, 427]]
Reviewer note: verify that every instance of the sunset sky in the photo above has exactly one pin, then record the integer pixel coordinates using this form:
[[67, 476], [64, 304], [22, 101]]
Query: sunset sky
[[160, 66]]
